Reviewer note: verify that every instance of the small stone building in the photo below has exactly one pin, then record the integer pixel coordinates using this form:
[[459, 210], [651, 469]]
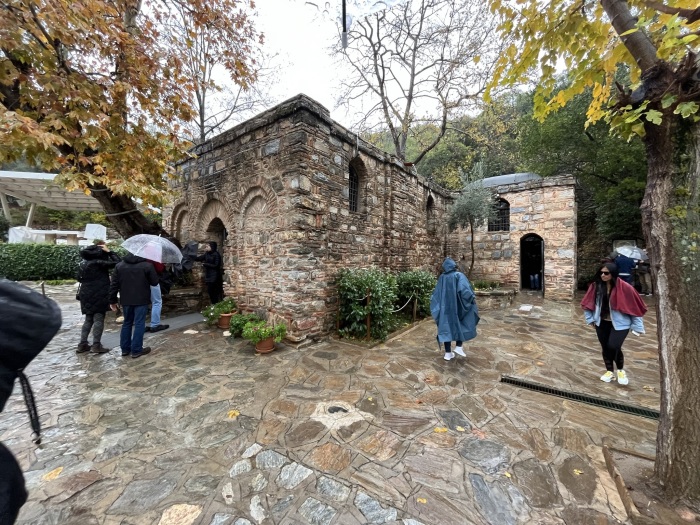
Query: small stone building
[[292, 197], [531, 242]]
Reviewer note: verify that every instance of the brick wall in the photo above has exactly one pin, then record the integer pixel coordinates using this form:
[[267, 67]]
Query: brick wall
[[544, 207], [279, 184]]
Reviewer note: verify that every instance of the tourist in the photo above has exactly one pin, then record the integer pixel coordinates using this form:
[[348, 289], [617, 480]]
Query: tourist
[[453, 306], [644, 273], [93, 294], [132, 281], [28, 321], [625, 265], [211, 261], [157, 300], [613, 307]]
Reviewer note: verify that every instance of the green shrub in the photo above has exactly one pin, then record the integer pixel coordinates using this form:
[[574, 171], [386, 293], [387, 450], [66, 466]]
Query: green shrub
[[364, 292], [419, 284], [486, 285], [238, 321], [31, 262]]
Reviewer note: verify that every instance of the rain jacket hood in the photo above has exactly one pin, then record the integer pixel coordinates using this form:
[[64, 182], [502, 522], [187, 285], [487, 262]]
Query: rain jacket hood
[[213, 245], [93, 252], [453, 305]]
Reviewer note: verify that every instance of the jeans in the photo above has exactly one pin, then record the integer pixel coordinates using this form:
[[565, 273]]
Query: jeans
[[134, 317], [535, 281], [96, 323], [156, 305]]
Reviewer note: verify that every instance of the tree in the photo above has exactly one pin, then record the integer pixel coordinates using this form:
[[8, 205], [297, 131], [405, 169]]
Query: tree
[[660, 103], [474, 206], [609, 168], [216, 104], [93, 90], [419, 63]]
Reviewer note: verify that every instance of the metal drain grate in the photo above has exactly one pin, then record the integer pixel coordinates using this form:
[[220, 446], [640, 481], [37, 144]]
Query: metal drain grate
[[583, 398]]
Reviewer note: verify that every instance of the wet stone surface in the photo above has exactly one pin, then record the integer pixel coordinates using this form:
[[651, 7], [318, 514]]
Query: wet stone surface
[[204, 431]]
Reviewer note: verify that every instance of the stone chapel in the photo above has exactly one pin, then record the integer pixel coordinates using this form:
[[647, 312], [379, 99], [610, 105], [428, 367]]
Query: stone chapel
[[292, 197]]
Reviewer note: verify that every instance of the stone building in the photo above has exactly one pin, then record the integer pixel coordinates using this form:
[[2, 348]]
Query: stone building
[[292, 197], [531, 242]]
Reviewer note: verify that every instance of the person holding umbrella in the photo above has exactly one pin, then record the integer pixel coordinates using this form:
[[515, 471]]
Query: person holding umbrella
[[212, 263], [132, 280]]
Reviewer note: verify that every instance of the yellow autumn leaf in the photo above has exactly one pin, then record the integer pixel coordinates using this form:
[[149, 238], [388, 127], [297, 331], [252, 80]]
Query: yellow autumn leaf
[[506, 474], [369, 398], [233, 414], [578, 472], [50, 476], [460, 429], [422, 500], [440, 430]]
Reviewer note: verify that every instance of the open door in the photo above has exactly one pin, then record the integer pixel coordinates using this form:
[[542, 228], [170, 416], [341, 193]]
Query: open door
[[532, 262]]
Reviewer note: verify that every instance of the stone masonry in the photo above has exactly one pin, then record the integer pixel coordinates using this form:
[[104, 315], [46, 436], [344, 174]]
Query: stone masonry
[[545, 207], [276, 190]]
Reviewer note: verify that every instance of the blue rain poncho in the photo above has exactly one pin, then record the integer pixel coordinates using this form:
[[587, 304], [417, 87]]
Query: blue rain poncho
[[453, 305]]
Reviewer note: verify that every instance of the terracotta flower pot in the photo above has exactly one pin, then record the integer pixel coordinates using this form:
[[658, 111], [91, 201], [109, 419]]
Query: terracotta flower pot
[[225, 320], [265, 346]]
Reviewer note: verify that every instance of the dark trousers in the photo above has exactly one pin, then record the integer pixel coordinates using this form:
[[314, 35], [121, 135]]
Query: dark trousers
[[96, 323], [134, 320], [448, 345], [611, 342], [215, 291], [12, 491]]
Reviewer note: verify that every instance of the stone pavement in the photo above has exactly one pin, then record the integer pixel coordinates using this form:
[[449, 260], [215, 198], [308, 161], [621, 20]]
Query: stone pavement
[[204, 431]]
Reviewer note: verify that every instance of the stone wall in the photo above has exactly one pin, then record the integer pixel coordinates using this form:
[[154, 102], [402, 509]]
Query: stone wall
[[279, 185], [545, 207]]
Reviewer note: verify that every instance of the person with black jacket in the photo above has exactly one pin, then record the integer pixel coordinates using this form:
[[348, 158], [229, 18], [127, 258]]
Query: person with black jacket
[[132, 280], [28, 321], [211, 261], [93, 275]]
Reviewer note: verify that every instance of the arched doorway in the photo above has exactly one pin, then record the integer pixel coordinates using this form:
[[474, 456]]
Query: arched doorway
[[216, 231], [532, 262]]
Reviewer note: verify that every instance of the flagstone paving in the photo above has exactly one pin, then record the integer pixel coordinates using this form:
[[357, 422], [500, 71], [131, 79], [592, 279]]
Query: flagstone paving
[[204, 431]]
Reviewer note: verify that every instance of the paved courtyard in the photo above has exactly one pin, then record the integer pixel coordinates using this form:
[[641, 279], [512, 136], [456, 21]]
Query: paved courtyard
[[204, 431]]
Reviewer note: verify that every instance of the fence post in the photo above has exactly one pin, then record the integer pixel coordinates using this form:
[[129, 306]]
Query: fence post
[[415, 308], [43, 291], [369, 317]]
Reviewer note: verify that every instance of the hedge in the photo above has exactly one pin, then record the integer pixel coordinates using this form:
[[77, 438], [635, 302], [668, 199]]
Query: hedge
[[33, 262]]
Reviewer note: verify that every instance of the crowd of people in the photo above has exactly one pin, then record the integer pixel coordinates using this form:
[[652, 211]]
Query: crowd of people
[[135, 284]]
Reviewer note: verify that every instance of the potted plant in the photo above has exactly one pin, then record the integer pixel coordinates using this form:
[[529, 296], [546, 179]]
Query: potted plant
[[264, 335], [238, 321], [220, 312]]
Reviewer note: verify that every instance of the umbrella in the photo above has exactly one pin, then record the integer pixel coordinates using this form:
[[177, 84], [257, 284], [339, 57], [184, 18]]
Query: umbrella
[[152, 247], [633, 252]]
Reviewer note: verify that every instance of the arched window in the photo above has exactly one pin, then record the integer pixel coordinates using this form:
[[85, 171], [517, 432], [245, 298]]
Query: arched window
[[500, 222], [430, 215], [354, 189]]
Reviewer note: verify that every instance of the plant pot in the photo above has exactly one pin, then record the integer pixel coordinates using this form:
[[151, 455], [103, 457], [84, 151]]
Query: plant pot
[[225, 321], [265, 346]]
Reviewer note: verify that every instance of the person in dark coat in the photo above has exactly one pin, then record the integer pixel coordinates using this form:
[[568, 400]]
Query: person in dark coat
[[93, 274], [132, 280], [453, 306], [212, 263], [28, 321]]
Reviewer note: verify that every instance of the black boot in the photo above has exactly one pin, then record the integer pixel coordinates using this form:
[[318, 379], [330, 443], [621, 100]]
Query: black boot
[[83, 347], [97, 348]]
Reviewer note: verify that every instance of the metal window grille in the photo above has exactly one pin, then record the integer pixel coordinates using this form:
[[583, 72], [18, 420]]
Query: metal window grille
[[501, 221], [354, 189]]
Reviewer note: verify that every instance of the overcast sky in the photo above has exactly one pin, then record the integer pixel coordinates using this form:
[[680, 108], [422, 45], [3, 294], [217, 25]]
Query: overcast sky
[[301, 35]]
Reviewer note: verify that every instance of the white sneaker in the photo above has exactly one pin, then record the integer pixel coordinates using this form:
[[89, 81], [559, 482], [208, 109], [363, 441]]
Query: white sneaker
[[449, 356], [622, 378], [607, 376], [458, 350]]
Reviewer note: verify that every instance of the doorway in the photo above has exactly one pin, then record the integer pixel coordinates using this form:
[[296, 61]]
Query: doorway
[[532, 262]]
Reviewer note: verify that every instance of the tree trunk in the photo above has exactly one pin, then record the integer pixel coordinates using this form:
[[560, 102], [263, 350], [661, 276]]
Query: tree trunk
[[471, 231], [126, 218], [677, 285]]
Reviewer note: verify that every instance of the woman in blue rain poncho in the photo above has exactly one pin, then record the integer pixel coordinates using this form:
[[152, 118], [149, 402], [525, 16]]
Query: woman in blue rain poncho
[[453, 306]]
